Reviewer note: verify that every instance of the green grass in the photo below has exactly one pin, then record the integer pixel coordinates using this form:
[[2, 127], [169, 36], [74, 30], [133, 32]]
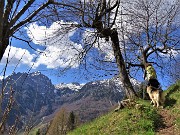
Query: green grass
[[172, 96], [32, 132], [126, 121], [131, 121]]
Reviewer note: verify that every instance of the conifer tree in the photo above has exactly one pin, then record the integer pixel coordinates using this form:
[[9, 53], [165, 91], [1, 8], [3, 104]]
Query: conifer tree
[[71, 121]]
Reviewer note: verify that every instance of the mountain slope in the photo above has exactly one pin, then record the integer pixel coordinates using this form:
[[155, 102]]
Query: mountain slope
[[36, 96], [91, 100], [33, 94], [142, 121]]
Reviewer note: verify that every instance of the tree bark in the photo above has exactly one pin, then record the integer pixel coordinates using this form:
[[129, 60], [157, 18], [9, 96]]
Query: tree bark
[[3, 46], [129, 90]]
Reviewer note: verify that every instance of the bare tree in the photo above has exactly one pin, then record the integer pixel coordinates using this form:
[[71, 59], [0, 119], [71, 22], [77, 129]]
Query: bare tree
[[6, 112], [147, 31], [101, 15], [16, 14], [59, 124], [151, 32], [12, 19]]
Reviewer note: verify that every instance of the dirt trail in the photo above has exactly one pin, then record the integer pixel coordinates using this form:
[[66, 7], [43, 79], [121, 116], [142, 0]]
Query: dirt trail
[[167, 127]]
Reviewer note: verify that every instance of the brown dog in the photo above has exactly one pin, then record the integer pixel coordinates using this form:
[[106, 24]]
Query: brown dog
[[155, 95]]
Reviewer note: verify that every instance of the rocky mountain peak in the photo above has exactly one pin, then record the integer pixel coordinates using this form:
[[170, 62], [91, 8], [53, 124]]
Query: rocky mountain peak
[[35, 73], [72, 86]]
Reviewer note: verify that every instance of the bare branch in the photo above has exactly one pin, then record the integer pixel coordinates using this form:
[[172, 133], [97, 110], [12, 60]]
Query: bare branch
[[27, 19], [8, 9], [135, 65], [8, 108], [24, 9], [66, 5], [118, 4], [28, 42], [108, 10], [16, 8]]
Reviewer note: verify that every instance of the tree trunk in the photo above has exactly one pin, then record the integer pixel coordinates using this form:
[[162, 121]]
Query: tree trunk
[[3, 46], [129, 90]]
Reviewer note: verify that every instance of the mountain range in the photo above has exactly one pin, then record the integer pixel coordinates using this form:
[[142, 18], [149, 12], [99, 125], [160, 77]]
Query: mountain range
[[37, 100]]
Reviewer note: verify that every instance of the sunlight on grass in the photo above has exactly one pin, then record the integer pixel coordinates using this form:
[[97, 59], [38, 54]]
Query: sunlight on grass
[[126, 121]]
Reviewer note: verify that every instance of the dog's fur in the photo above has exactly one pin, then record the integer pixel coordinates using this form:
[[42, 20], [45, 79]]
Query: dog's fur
[[155, 96]]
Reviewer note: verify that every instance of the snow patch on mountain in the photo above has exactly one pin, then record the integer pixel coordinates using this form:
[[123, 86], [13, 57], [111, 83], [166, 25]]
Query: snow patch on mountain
[[36, 73], [72, 86], [115, 81]]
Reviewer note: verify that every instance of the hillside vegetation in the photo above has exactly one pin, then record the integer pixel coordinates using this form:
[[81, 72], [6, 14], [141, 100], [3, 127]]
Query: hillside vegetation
[[143, 121]]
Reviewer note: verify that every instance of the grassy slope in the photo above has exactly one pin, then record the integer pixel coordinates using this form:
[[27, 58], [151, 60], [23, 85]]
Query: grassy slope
[[173, 102], [132, 121]]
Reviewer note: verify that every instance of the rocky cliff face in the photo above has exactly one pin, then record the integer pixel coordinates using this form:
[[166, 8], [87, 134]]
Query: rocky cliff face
[[33, 94]]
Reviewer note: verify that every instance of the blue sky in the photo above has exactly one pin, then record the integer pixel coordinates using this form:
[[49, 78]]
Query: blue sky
[[57, 55], [59, 52], [50, 65]]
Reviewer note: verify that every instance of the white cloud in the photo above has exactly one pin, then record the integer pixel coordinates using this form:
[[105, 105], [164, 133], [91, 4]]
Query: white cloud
[[1, 77], [55, 57], [43, 35], [60, 50], [105, 47], [16, 55], [171, 53], [102, 45]]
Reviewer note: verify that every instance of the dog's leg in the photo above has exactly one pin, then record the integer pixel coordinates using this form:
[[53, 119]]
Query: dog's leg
[[151, 102], [154, 102], [157, 103], [152, 99], [149, 91], [157, 99]]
